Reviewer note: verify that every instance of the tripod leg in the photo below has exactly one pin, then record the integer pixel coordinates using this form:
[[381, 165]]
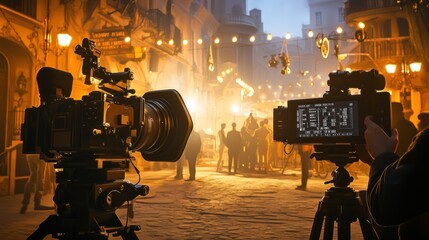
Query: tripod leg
[[46, 227], [329, 227], [368, 232], [129, 234], [317, 224], [343, 229]]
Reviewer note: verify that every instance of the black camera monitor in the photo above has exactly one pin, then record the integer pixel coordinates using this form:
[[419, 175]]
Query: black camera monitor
[[334, 120]]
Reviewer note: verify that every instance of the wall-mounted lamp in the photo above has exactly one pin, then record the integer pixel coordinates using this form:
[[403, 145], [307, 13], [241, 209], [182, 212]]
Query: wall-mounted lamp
[[21, 85], [64, 39]]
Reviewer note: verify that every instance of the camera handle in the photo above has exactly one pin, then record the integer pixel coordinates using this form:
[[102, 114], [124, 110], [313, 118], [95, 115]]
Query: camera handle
[[340, 203]]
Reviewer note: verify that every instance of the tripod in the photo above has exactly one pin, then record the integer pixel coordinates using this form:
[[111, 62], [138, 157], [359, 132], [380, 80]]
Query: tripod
[[86, 200], [340, 203]]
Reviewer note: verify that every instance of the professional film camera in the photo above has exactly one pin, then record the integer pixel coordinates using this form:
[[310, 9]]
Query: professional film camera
[[338, 116], [91, 141], [335, 125]]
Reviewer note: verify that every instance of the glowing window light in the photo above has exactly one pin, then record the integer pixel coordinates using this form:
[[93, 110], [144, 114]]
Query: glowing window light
[[269, 37]]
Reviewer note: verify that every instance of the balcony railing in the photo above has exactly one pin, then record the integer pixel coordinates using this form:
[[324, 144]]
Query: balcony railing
[[379, 52], [28, 7], [239, 19], [387, 48], [353, 6]]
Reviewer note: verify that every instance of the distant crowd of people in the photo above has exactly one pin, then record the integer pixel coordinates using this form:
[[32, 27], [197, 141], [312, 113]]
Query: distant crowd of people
[[248, 149]]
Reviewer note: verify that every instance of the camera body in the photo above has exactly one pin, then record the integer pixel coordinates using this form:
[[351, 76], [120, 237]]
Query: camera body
[[106, 124], [91, 141], [338, 117]]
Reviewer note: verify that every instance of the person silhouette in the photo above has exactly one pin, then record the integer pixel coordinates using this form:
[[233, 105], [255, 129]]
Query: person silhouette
[[423, 120], [221, 137], [37, 169], [396, 193], [233, 142], [406, 128], [262, 138], [305, 151], [251, 124], [192, 149]]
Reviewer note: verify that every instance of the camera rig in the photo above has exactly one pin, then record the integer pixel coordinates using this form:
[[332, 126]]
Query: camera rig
[[338, 116], [91, 141], [335, 125]]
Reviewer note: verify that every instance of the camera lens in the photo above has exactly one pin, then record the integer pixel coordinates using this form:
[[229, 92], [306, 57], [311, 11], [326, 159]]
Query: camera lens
[[167, 125]]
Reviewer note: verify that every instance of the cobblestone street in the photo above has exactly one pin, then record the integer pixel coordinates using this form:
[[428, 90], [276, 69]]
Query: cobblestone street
[[215, 206]]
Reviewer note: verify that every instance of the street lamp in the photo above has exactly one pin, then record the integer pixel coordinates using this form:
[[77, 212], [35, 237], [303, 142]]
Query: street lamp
[[64, 39], [402, 80]]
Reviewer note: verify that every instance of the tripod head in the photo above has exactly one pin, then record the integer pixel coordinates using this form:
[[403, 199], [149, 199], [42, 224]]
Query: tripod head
[[341, 155]]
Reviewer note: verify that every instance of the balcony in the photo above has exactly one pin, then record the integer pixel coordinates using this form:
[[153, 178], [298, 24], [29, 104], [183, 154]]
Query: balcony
[[163, 28], [355, 6], [376, 53], [28, 7], [239, 23]]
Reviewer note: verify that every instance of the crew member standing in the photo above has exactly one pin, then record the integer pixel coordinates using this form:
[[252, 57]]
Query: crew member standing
[[193, 148], [221, 137], [233, 142], [262, 138]]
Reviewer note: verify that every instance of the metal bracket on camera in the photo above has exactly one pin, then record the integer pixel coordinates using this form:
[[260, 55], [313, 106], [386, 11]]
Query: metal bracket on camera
[[341, 155], [337, 153], [113, 83]]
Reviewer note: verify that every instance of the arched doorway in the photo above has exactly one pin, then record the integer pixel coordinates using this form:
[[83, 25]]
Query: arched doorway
[[3, 112], [16, 85]]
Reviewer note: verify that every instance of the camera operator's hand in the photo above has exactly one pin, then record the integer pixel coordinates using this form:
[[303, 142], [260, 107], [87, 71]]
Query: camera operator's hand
[[377, 141], [363, 154]]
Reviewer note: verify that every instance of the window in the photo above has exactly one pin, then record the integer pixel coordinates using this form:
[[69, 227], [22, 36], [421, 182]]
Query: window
[[404, 31], [318, 18], [387, 31]]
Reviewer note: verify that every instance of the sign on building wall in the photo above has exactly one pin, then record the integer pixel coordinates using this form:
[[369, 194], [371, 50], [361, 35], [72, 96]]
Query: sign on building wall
[[111, 41]]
